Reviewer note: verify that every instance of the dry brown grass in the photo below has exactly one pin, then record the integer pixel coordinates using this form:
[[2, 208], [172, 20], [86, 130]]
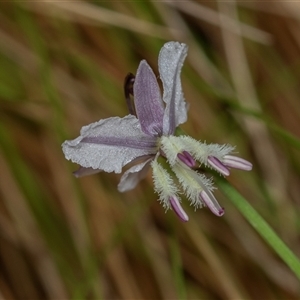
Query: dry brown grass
[[62, 67]]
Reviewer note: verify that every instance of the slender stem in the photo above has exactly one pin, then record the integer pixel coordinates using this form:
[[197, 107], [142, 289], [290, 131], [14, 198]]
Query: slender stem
[[261, 226]]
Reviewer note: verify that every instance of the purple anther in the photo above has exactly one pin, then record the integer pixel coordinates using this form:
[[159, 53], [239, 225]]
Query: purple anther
[[187, 159], [178, 209], [212, 203], [237, 163], [218, 165]]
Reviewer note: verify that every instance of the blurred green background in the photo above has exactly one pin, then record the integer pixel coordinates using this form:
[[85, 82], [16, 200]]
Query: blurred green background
[[62, 66]]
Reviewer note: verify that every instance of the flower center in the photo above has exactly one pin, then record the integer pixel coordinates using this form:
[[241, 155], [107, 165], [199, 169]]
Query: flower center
[[173, 149]]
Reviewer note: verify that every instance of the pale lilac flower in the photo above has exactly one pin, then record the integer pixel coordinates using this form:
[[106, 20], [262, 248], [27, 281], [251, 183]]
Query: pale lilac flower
[[111, 144]]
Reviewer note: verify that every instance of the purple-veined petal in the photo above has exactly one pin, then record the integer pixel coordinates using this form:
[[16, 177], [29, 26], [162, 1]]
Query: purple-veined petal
[[178, 209], [109, 144], [170, 62], [134, 175], [85, 172], [148, 104], [212, 203], [237, 163]]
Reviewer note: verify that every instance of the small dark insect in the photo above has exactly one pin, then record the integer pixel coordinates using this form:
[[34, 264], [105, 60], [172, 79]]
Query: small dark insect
[[128, 91]]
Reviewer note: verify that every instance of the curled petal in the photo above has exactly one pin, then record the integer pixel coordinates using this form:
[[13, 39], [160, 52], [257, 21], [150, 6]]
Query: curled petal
[[178, 209], [109, 144], [148, 103], [133, 176], [212, 203], [218, 165], [236, 162], [170, 62]]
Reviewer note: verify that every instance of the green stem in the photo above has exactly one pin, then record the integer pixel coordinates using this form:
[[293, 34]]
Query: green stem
[[261, 226]]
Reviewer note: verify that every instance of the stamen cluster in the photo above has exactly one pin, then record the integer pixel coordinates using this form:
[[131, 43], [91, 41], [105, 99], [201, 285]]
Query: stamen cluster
[[183, 155]]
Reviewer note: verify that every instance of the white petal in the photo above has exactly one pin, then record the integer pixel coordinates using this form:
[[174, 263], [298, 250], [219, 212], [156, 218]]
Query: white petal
[[170, 62], [109, 144], [133, 176]]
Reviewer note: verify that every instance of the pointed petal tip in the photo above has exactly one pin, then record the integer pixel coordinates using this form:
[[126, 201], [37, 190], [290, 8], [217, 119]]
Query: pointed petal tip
[[236, 162], [211, 202], [218, 165], [75, 173], [175, 204], [221, 212], [85, 172]]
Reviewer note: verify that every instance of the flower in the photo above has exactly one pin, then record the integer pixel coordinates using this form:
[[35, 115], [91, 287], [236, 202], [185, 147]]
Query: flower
[[141, 141]]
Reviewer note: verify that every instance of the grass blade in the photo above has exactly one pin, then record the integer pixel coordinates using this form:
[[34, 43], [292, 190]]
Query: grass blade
[[261, 226]]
